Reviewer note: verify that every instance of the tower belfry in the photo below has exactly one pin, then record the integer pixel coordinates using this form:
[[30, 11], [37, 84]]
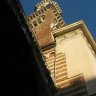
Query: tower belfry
[[44, 20], [46, 0]]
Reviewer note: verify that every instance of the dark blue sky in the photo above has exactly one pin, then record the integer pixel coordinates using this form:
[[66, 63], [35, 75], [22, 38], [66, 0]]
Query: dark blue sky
[[73, 10]]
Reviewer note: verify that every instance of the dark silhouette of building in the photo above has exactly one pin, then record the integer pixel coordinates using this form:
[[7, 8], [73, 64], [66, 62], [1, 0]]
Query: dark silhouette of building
[[23, 67]]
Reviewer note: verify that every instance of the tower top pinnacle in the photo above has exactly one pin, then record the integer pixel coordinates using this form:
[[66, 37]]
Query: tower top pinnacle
[[46, 0]]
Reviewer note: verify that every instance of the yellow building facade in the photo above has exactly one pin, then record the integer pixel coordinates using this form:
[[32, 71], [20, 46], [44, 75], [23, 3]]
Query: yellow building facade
[[76, 42], [69, 50]]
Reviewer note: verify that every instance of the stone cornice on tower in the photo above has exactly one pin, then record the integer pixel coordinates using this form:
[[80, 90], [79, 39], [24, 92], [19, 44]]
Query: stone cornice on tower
[[46, 0], [43, 3]]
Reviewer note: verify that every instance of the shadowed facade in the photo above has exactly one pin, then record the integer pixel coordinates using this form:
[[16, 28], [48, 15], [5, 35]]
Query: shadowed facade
[[23, 67]]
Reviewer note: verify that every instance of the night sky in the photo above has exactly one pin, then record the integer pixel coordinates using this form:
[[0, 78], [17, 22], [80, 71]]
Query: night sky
[[73, 10]]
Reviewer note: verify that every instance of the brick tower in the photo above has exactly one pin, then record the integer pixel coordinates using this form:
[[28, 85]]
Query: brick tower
[[44, 20]]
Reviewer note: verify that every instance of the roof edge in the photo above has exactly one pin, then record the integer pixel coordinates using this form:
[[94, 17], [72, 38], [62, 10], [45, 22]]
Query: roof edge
[[74, 26]]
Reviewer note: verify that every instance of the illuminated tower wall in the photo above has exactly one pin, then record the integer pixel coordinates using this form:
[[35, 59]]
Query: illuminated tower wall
[[44, 20]]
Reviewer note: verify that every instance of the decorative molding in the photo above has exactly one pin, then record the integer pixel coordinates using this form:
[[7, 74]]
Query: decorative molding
[[80, 24]]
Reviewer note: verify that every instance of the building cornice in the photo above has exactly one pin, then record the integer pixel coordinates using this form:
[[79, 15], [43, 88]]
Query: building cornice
[[74, 26]]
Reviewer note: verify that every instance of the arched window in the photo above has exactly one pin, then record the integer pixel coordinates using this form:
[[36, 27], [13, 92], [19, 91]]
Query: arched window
[[43, 17], [34, 23], [39, 20]]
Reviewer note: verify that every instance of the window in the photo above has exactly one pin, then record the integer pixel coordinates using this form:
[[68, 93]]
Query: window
[[31, 25], [54, 11], [28, 18], [39, 12], [34, 23], [52, 7], [33, 15], [55, 20], [48, 6], [58, 17], [43, 17], [56, 14], [42, 10], [62, 22], [36, 13], [58, 25], [39, 20], [45, 8]]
